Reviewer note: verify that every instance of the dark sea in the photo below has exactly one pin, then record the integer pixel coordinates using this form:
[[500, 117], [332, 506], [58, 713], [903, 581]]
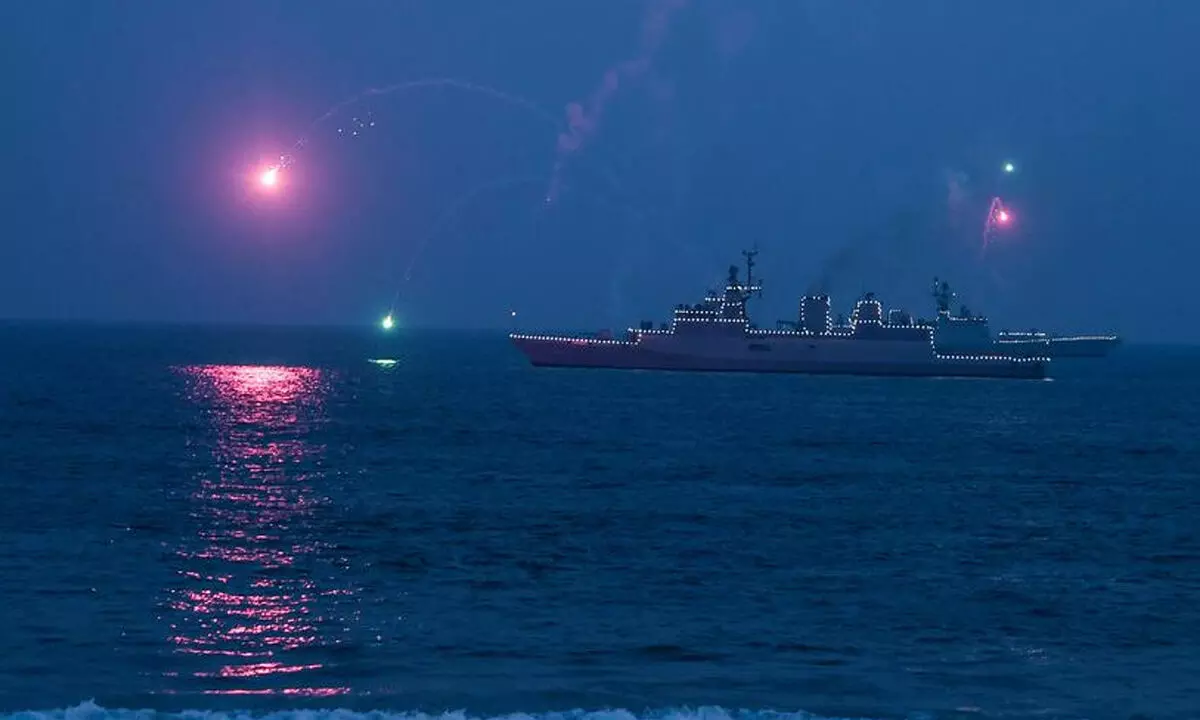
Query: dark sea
[[245, 522]]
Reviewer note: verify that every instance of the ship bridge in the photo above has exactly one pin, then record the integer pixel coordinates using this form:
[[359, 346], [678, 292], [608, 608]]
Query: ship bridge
[[720, 313], [958, 333]]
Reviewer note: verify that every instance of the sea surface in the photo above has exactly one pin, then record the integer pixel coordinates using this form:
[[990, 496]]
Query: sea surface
[[252, 521]]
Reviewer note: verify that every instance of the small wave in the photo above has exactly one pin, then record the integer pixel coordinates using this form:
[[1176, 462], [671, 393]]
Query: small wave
[[91, 711]]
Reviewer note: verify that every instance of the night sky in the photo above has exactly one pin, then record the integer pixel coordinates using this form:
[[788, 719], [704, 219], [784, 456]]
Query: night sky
[[855, 141]]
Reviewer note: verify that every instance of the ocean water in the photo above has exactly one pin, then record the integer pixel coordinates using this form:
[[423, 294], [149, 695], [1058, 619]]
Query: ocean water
[[250, 521]]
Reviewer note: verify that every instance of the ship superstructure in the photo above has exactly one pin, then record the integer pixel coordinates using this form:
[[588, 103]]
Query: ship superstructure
[[961, 332], [717, 335]]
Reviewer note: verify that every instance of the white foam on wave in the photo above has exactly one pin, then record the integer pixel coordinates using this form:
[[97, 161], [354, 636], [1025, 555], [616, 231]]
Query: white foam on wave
[[91, 711]]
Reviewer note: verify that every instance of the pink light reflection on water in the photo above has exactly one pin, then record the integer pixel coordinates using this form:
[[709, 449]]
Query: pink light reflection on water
[[239, 613]]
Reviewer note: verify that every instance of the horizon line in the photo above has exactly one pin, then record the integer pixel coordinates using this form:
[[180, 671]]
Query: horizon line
[[357, 327], [233, 324]]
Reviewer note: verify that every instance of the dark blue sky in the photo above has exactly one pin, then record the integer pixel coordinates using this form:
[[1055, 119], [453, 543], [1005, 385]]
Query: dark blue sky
[[817, 130]]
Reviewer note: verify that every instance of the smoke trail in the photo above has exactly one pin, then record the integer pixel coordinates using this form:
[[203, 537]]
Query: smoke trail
[[583, 119], [450, 213], [956, 189], [837, 265], [875, 252]]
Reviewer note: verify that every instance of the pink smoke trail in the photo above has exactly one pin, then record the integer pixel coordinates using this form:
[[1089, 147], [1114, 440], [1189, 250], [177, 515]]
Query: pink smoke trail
[[583, 120]]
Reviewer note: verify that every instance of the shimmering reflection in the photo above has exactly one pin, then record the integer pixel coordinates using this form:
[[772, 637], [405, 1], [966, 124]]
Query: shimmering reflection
[[253, 610]]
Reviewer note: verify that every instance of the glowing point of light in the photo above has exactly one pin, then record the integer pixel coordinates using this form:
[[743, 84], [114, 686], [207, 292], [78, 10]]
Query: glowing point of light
[[1002, 216], [388, 322], [1009, 167], [269, 177]]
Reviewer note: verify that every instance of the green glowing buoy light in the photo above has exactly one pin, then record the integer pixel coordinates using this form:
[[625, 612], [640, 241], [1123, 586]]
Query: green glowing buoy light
[[388, 322], [1009, 167]]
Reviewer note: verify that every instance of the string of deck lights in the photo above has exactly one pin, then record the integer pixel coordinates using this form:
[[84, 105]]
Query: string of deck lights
[[586, 342], [1049, 339]]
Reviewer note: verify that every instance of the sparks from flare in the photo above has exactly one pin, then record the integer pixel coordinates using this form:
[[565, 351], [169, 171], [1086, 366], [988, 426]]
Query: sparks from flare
[[358, 125], [275, 171], [998, 216]]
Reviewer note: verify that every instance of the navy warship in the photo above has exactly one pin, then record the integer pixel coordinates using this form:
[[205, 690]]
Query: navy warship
[[718, 335], [968, 333]]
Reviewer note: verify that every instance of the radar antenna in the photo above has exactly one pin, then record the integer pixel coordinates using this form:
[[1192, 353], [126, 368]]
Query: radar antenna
[[750, 287]]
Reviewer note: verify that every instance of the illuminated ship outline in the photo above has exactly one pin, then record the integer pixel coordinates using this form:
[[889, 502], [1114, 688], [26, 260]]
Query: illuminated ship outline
[[1056, 345], [973, 334], [718, 335]]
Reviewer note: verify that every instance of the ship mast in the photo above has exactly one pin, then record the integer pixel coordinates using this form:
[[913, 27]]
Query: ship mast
[[750, 288], [943, 295]]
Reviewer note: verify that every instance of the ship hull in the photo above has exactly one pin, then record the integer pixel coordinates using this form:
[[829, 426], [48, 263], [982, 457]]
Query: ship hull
[[631, 355]]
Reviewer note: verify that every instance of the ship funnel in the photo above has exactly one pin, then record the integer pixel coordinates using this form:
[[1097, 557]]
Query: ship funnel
[[867, 311], [814, 314]]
